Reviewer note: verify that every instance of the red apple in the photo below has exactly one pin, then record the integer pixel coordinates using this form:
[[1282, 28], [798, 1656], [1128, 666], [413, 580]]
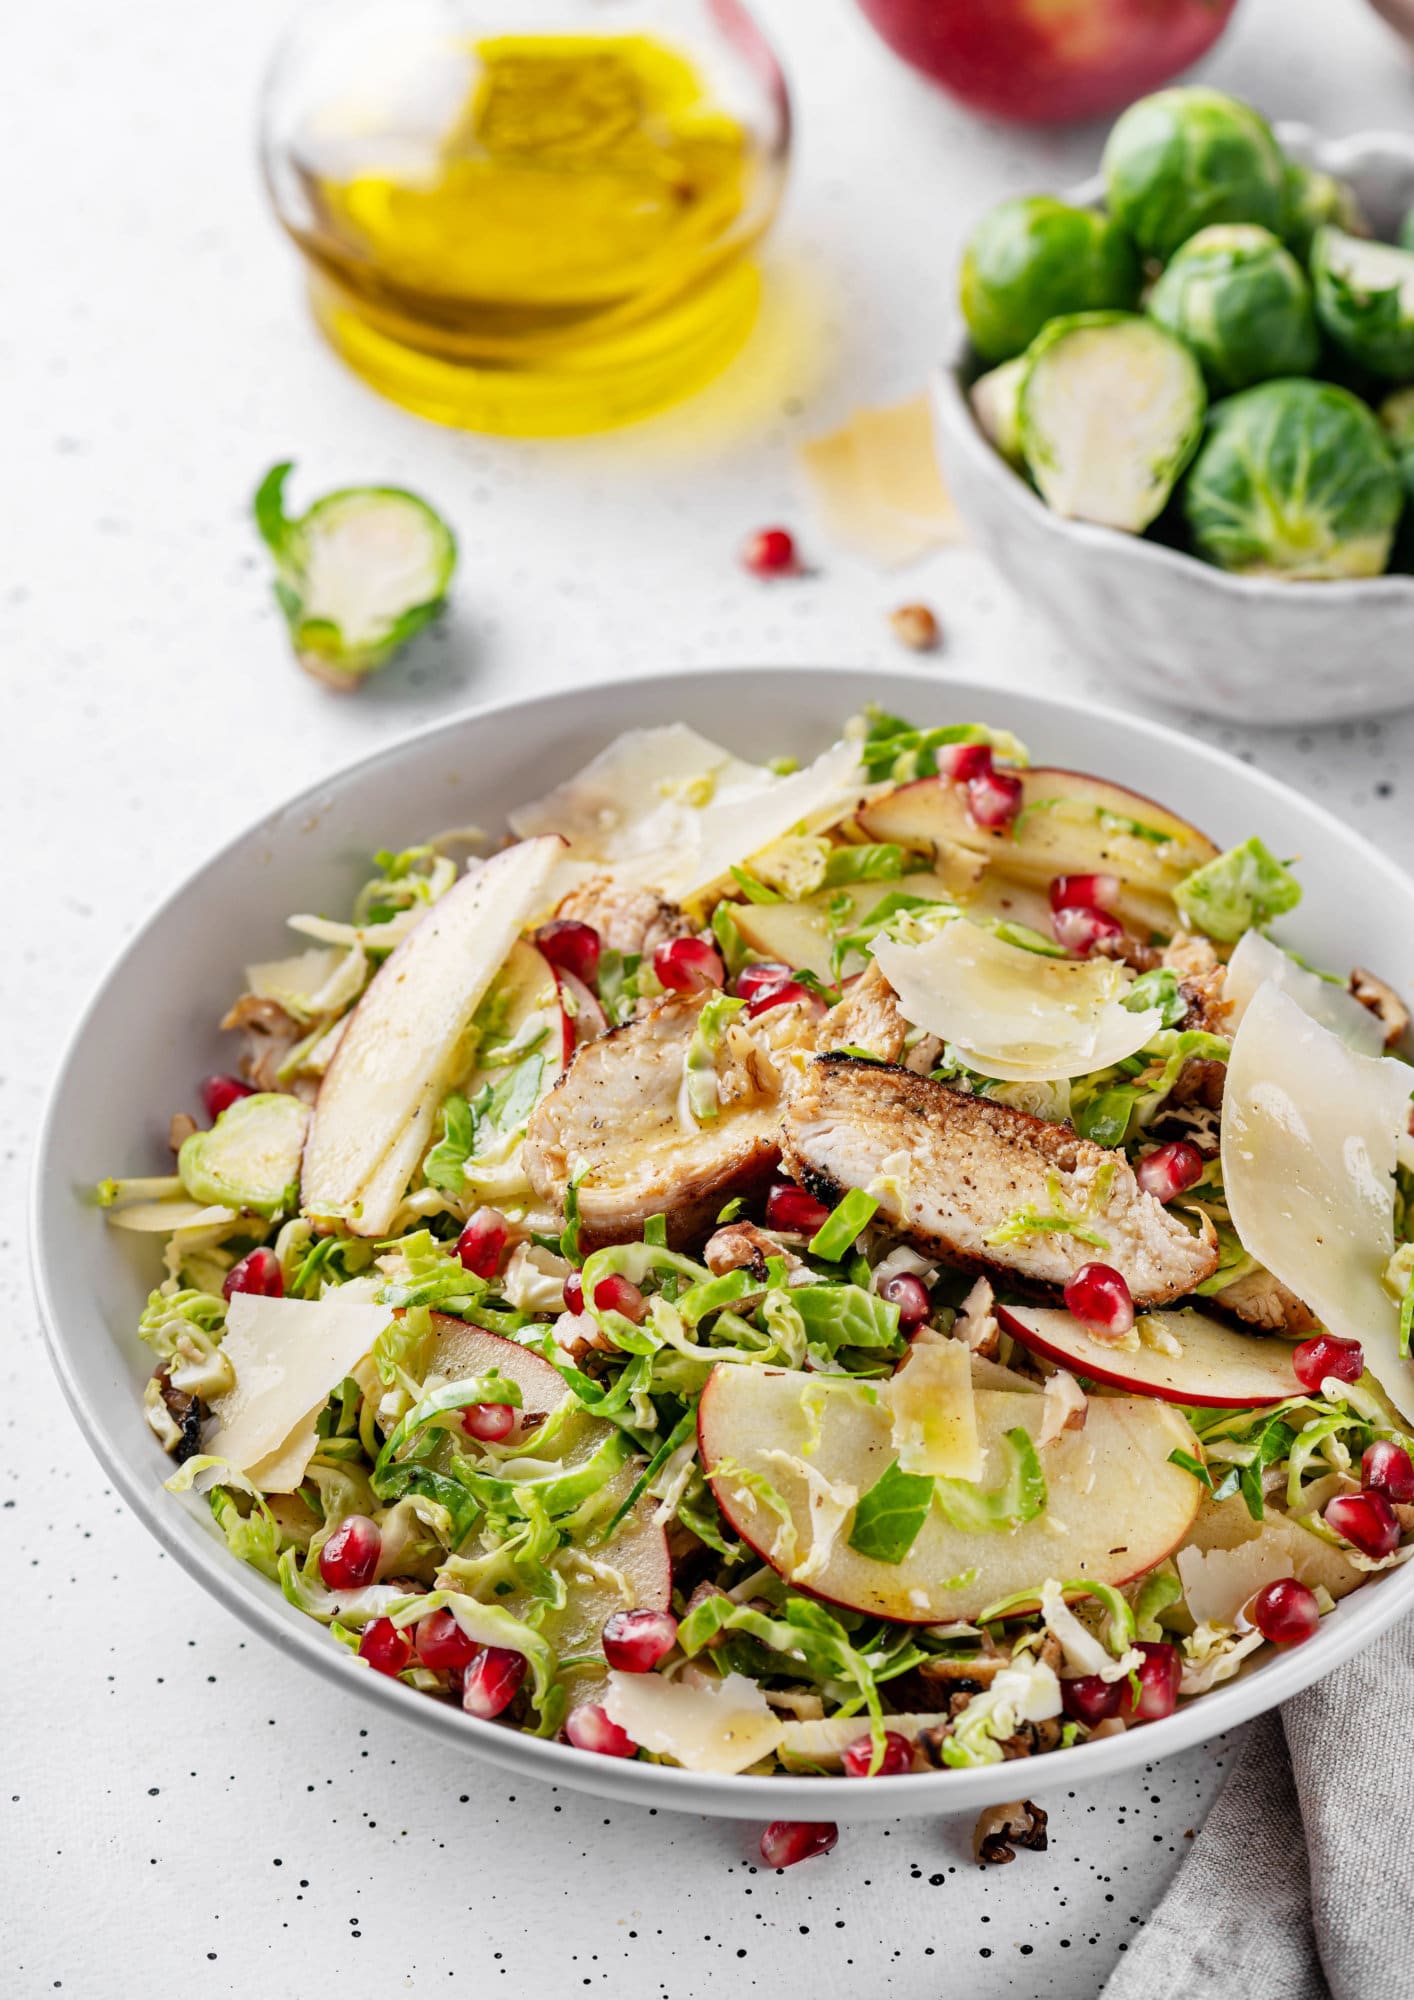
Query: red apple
[[1049, 62], [1214, 1367]]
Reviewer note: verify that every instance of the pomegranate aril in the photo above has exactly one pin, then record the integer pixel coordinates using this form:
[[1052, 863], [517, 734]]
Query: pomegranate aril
[[349, 1559], [754, 979], [962, 761], [1159, 1676], [621, 1295], [482, 1242], [791, 1208], [1084, 892], [488, 1422], [442, 1644], [1285, 1612], [688, 965], [1327, 1354], [571, 947], [994, 799], [635, 1641], [770, 552], [385, 1647], [1387, 1468], [1084, 931], [787, 1841], [574, 1293], [259, 1271], [910, 1295], [589, 1728], [859, 1755], [1170, 1171], [790, 993], [492, 1681], [1088, 1699], [1366, 1521], [1099, 1298], [218, 1093]]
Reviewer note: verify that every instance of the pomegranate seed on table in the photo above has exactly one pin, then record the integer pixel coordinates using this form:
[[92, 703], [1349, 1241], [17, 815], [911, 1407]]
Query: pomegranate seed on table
[[259, 1272], [1285, 1612], [1099, 1298], [492, 1681], [770, 552], [1327, 1354], [571, 947], [1366, 1521], [442, 1644], [910, 1295], [488, 1422], [574, 1293], [763, 978], [1084, 892], [589, 1728], [688, 965], [635, 1641], [621, 1295], [1387, 1468], [1159, 1676], [789, 994], [961, 761], [482, 1241], [787, 1841], [1088, 1699], [994, 798], [791, 1208], [385, 1647], [349, 1559], [1083, 930], [897, 1757], [218, 1093], [1170, 1171]]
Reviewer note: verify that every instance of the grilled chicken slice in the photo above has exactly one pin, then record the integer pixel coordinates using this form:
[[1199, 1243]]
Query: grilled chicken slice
[[627, 919], [622, 1109], [868, 1017], [951, 1171]]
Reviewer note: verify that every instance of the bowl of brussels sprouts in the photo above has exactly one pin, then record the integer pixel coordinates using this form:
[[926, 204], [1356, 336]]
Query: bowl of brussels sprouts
[[1178, 413]]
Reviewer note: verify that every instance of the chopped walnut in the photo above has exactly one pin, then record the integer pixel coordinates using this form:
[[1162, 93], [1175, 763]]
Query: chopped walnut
[[181, 1127], [1200, 1081], [270, 1033], [1263, 1300], [965, 1677], [1000, 1830], [741, 1246], [916, 627], [1383, 1002], [976, 1323], [1113, 1725]]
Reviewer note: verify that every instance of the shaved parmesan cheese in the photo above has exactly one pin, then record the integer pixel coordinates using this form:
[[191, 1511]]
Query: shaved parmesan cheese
[[877, 485], [1218, 1582], [289, 1355], [1257, 959], [701, 1723], [314, 982], [1064, 1399], [1010, 1013], [934, 1414], [1310, 1133]]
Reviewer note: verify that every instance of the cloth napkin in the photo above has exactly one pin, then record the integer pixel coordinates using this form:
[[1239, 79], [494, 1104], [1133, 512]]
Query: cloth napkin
[[1300, 1885]]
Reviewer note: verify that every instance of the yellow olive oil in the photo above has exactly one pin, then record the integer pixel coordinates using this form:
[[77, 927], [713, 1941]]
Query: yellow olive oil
[[569, 248]]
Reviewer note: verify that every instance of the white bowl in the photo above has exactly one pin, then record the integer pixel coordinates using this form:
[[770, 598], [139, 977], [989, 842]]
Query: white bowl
[[150, 1032], [1163, 623]]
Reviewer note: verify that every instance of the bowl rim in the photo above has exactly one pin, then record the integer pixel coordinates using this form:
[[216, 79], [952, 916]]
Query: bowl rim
[[953, 411], [259, 1604]]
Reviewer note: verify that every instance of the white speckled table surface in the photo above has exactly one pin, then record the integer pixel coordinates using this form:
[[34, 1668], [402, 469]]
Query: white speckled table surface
[[183, 1811]]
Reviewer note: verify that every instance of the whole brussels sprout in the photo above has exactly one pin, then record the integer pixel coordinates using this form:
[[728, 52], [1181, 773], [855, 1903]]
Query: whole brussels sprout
[[1294, 479], [1111, 411], [1241, 301], [1314, 197], [1185, 158], [1365, 300], [1029, 260]]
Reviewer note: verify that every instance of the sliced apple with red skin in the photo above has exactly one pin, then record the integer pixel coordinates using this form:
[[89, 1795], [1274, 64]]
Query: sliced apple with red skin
[[800, 935], [1217, 1368], [398, 1055], [1070, 824], [638, 1549], [1115, 1504]]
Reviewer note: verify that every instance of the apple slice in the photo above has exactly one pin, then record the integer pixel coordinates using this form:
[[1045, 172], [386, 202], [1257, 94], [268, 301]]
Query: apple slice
[[524, 1007], [1115, 1505], [1070, 824], [799, 934], [1216, 1367], [396, 1058]]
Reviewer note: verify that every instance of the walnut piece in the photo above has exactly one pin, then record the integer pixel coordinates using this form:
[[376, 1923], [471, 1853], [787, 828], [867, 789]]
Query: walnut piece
[[916, 627], [1000, 1830], [1383, 1002]]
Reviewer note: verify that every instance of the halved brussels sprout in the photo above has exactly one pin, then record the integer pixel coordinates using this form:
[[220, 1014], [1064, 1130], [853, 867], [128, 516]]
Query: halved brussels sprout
[[996, 404], [1365, 300], [1185, 158], [1029, 260], [1241, 301], [1111, 412], [1397, 416], [1294, 479], [1314, 197], [251, 1156]]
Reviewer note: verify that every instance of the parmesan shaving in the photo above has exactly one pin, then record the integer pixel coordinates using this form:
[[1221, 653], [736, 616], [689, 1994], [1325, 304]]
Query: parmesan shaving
[[1257, 960], [288, 1355], [702, 1723]]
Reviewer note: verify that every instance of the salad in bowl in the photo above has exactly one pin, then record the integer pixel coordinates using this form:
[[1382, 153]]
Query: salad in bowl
[[877, 1267]]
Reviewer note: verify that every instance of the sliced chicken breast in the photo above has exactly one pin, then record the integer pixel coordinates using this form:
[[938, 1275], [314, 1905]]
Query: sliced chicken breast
[[954, 1172], [627, 919], [868, 1017]]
